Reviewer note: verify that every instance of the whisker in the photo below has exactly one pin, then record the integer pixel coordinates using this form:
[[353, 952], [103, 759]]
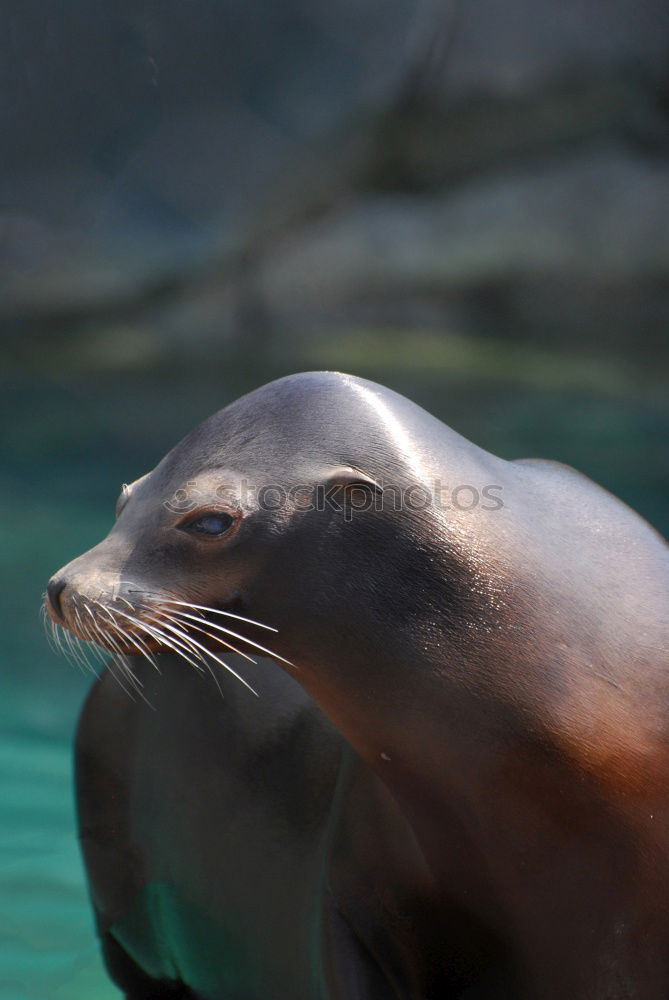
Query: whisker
[[73, 651], [199, 628], [134, 680], [110, 664], [50, 638], [106, 639], [242, 638], [121, 661], [217, 611], [48, 632], [56, 637], [59, 638], [165, 625], [186, 640], [174, 644], [59, 635], [136, 641], [53, 638], [183, 640], [93, 656], [177, 642], [194, 642], [61, 642], [98, 649], [84, 649], [138, 646]]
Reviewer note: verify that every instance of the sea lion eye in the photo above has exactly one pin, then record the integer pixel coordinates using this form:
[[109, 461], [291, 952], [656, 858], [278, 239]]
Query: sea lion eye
[[210, 525]]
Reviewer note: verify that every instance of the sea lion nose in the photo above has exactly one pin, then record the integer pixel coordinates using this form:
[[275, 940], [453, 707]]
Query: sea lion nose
[[54, 589]]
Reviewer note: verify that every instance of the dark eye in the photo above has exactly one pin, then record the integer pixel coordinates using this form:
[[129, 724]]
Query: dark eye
[[211, 525]]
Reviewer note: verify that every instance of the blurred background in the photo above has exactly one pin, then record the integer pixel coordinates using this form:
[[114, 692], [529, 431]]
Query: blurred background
[[466, 201]]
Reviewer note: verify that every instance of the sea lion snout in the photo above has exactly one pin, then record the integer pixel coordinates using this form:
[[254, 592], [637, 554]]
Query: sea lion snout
[[92, 581], [97, 606]]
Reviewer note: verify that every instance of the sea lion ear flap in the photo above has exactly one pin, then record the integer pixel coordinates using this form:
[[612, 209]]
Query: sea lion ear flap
[[348, 476], [354, 489]]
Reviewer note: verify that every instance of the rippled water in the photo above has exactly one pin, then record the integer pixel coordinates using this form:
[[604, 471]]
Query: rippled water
[[66, 448]]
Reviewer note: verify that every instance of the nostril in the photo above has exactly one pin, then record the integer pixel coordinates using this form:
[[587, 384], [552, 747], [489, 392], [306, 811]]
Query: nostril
[[54, 589]]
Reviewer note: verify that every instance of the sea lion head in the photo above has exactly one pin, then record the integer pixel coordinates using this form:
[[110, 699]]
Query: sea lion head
[[276, 510]]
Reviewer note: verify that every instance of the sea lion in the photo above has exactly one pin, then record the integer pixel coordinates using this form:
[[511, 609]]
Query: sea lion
[[491, 637]]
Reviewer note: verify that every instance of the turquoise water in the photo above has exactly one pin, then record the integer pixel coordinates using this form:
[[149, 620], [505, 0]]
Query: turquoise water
[[47, 945], [48, 949], [66, 447]]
